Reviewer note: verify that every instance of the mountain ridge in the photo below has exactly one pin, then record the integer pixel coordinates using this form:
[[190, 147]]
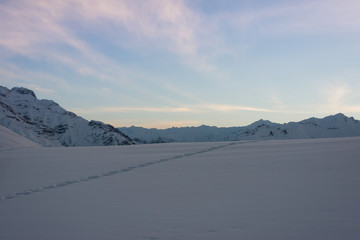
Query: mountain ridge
[[47, 123], [337, 125]]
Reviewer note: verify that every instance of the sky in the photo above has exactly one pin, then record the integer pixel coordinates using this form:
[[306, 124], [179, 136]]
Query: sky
[[173, 63]]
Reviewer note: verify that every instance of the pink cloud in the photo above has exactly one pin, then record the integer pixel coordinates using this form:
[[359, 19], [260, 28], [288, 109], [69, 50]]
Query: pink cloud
[[34, 29]]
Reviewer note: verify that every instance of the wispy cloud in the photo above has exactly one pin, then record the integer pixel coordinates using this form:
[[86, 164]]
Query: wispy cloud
[[146, 109], [335, 94], [338, 97], [189, 108], [29, 26], [51, 32], [230, 108], [32, 28], [164, 24], [41, 29], [316, 17]]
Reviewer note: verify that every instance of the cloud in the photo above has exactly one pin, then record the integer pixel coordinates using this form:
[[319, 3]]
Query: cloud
[[336, 94], [28, 26], [230, 108], [36, 29], [163, 24], [152, 19], [183, 109], [339, 97], [51, 32], [298, 17], [145, 109]]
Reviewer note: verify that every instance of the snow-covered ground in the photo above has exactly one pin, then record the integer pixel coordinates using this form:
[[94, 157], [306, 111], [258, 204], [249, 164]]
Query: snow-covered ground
[[283, 189]]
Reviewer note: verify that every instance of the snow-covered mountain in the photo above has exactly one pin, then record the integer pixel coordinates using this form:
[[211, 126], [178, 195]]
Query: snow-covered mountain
[[337, 125], [46, 123]]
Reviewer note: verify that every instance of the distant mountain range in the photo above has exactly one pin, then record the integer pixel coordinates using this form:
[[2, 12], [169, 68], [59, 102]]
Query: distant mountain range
[[46, 123], [337, 125]]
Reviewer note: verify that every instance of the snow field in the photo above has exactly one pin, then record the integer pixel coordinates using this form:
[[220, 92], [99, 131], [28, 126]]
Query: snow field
[[295, 189]]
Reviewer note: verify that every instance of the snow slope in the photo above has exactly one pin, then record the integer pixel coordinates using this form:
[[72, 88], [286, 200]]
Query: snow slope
[[45, 122], [10, 139], [337, 125], [293, 189]]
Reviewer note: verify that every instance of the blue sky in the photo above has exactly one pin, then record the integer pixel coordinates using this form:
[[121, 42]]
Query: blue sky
[[163, 63]]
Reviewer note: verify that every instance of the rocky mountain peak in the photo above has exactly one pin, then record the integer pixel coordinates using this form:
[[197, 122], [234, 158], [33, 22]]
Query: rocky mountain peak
[[47, 123], [22, 90]]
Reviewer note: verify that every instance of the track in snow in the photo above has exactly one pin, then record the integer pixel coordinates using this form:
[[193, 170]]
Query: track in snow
[[111, 173]]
